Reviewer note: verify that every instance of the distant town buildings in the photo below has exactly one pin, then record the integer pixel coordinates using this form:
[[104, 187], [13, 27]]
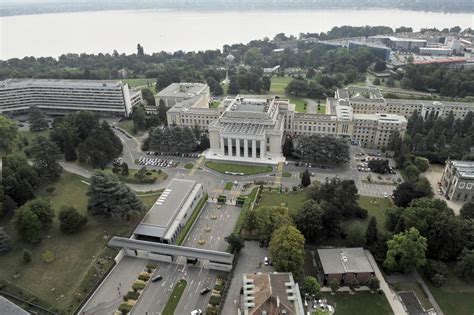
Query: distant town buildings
[[344, 264], [457, 182], [60, 97], [271, 294]]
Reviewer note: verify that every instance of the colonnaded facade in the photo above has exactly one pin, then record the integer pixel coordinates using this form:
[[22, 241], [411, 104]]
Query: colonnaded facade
[[251, 128]]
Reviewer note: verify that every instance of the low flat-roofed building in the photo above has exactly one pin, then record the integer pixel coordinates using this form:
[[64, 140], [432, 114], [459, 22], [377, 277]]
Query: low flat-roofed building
[[177, 92], [345, 264], [9, 308], [457, 181], [271, 294], [170, 212], [60, 97]]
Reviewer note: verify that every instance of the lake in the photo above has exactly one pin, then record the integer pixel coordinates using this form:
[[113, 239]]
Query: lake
[[104, 31]]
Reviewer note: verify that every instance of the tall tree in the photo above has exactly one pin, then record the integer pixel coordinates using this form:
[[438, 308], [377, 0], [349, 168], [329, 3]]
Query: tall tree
[[288, 148], [68, 148], [45, 155], [109, 197], [305, 178], [467, 211], [234, 87], [309, 220], [33, 220], [37, 119], [406, 251], [311, 285], [372, 233], [287, 249], [465, 265], [266, 83], [140, 51], [19, 180], [148, 96], [162, 109], [71, 220], [8, 133], [139, 118], [236, 242]]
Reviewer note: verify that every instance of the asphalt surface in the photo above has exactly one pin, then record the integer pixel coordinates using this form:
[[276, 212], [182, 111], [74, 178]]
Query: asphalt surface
[[215, 223]]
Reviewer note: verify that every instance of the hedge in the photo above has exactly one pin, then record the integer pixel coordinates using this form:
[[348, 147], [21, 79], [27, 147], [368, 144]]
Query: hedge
[[139, 285], [125, 307]]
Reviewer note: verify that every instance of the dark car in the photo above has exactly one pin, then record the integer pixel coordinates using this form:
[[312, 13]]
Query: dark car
[[205, 290], [157, 278]]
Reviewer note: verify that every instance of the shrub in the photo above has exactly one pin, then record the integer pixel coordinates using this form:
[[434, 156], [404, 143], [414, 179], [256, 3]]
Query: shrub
[[434, 267], [334, 285], [139, 285], [27, 256], [132, 295], [125, 308], [151, 266], [71, 220], [144, 277], [353, 284], [48, 256], [373, 283], [215, 300], [438, 280]]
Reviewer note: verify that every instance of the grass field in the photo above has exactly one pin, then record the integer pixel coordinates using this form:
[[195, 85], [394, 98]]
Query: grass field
[[279, 84], [299, 104], [175, 296], [228, 186], [360, 303], [238, 168], [292, 200], [456, 296], [376, 207], [214, 104], [188, 166], [126, 125], [59, 283]]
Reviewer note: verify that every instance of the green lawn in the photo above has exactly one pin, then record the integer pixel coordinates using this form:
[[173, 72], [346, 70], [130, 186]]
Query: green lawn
[[286, 174], [238, 168], [376, 207], [175, 296], [126, 125], [299, 104], [364, 303], [151, 176], [279, 84], [456, 296], [228, 186], [188, 166], [292, 200], [61, 282], [214, 104]]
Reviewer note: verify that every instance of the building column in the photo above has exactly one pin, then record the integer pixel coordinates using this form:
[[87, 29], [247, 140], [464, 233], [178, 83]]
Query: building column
[[229, 146], [246, 148], [263, 148], [222, 145], [237, 147], [254, 149]]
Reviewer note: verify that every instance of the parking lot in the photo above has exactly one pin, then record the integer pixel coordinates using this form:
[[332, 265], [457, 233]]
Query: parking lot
[[163, 163]]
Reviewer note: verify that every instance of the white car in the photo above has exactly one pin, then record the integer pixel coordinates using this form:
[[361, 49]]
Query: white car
[[266, 261], [196, 312]]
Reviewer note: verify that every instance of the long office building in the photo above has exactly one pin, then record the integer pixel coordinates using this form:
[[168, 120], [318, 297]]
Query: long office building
[[59, 97], [251, 128]]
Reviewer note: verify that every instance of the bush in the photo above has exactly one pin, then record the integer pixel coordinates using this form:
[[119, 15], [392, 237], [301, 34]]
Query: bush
[[71, 220], [373, 283], [353, 284], [48, 256], [438, 280], [125, 308], [139, 285], [215, 300], [132, 295], [144, 277], [334, 285], [151, 266], [422, 163], [27, 256], [434, 267]]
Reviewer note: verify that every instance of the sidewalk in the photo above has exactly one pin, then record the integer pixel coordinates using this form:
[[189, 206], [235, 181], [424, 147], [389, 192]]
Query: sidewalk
[[392, 297]]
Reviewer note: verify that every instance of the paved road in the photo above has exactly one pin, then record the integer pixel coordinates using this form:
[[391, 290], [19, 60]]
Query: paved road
[[213, 231], [392, 297], [108, 296], [156, 295], [251, 260]]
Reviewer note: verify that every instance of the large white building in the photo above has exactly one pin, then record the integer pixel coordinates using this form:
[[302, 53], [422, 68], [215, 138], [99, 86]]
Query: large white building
[[251, 128], [170, 212], [59, 97], [457, 181]]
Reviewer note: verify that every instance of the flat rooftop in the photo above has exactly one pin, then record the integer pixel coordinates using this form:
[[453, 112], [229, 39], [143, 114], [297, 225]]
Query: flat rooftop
[[183, 90], [344, 260], [165, 209], [13, 83], [465, 168]]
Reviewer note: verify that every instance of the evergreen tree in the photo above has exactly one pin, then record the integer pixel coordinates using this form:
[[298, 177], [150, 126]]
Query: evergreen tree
[[45, 155], [71, 220], [288, 147], [139, 118], [27, 256], [372, 233], [69, 150], [109, 197], [266, 83], [305, 179], [162, 109], [8, 133], [124, 171], [5, 241]]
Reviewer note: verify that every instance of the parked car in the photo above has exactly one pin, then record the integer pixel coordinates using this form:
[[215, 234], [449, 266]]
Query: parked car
[[205, 290], [266, 261], [196, 312], [157, 278]]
